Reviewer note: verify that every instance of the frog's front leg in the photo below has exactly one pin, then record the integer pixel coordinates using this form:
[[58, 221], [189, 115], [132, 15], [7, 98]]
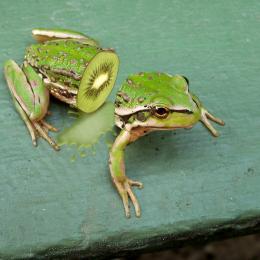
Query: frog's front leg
[[31, 99], [205, 116], [43, 34], [117, 170]]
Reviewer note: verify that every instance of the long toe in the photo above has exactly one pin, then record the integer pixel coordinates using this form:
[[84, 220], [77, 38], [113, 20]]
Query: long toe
[[134, 201], [43, 133], [49, 127], [123, 194], [136, 183]]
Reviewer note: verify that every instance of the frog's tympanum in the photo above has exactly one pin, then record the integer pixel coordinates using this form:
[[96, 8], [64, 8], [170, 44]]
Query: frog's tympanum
[[67, 64], [149, 102]]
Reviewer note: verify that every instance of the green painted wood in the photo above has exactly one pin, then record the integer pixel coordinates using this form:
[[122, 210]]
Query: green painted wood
[[196, 187]]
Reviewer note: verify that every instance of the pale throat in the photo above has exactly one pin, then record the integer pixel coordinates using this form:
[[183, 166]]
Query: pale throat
[[100, 80]]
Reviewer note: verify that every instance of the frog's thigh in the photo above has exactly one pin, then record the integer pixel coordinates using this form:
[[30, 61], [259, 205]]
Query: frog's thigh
[[32, 99], [43, 34], [13, 75], [38, 91], [18, 86]]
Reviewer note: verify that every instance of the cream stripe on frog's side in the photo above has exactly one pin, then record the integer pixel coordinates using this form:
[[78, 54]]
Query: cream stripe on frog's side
[[56, 34], [58, 91], [129, 111], [43, 34]]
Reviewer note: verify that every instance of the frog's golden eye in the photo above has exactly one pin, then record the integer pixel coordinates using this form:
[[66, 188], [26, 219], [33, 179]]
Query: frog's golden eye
[[161, 112]]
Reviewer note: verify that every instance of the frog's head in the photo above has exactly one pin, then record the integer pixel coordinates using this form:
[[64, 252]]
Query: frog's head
[[159, 101], [172, 107]]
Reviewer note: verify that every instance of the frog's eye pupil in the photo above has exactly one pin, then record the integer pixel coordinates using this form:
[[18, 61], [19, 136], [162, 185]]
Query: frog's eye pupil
[[161, 112]]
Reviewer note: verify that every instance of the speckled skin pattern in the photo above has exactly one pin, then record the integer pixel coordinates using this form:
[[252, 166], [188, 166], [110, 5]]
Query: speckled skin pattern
[[64, 61]]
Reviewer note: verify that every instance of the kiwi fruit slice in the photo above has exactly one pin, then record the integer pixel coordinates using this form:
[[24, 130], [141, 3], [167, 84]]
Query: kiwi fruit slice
[[97, 81]]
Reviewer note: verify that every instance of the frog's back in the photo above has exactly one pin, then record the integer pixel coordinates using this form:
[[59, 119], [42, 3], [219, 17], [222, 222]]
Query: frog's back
[[140, 89], [56, 56]]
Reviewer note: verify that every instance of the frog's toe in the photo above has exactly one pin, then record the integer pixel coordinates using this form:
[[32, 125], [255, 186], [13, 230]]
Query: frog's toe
[[44, 134], [214, 119], [123, 193], [136, 183], [133, 199], [205, 117], [49, 127], [32, 132], [34, 142], [126, 203], [125, 190]]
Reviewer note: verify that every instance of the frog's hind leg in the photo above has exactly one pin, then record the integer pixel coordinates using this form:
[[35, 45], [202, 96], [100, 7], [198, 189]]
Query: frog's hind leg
[[44, 34], [27, 122], [30, 98], [205, 117]]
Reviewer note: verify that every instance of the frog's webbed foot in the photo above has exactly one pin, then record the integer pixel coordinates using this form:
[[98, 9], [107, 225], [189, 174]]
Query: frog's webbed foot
[[205, 117], [48, 127], [125, 190], [37, 129], [42, 129]]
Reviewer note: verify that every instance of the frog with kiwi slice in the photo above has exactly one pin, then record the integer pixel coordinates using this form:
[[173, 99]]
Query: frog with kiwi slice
[[73, 68], [66, 64], [150, 102]]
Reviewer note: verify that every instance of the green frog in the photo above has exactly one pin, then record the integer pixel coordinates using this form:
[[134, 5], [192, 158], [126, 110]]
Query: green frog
[[66, 64], [148, 102]]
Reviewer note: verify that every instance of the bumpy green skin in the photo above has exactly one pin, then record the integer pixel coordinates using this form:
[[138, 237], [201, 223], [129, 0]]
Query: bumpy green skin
[[154, 87], [147, 102], [54, 57], [28, 86], [77, 73], [144, 92]]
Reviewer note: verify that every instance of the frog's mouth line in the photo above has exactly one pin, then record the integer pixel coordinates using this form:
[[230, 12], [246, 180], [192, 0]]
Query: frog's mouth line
[[165, 128], [128, 111]]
